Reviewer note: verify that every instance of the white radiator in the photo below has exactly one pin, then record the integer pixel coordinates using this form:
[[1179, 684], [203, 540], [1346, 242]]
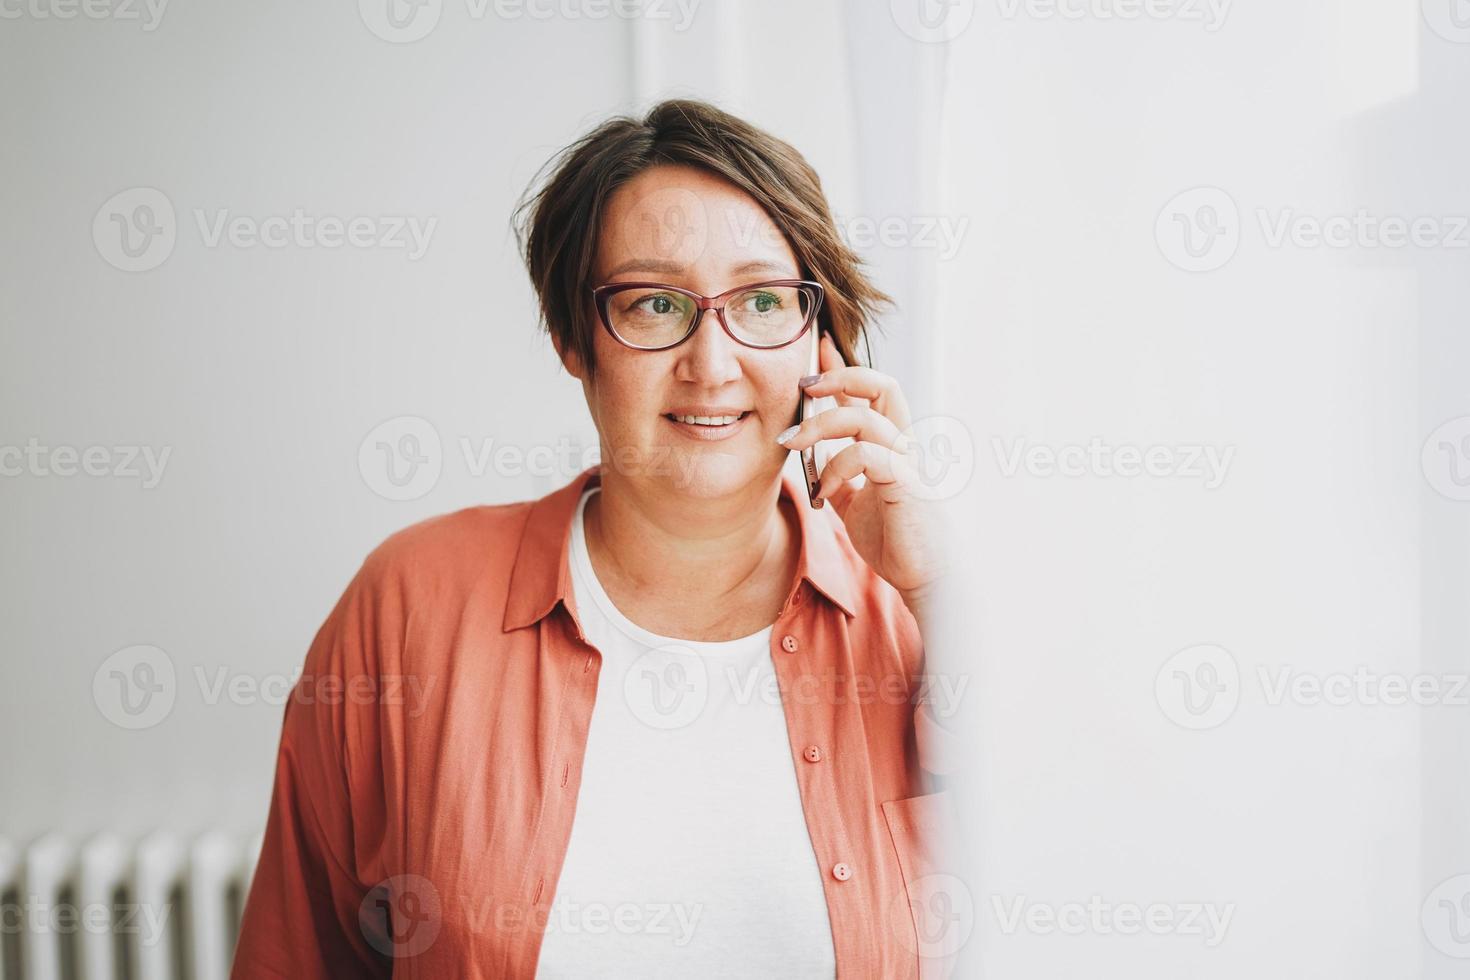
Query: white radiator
[[162, 908]]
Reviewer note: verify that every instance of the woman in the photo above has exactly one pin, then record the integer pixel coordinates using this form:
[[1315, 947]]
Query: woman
[[661, 722]]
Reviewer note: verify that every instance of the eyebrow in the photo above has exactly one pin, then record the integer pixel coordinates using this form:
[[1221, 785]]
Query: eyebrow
[[667, 267]]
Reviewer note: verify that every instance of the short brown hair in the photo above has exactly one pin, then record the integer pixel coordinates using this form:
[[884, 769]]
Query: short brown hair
[[557, 225]]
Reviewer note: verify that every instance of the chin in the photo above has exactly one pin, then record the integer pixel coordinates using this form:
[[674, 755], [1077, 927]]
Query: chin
[[707, 474]]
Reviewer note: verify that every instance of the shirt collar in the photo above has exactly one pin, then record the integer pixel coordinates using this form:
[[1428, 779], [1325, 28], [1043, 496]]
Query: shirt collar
[[541, 575]]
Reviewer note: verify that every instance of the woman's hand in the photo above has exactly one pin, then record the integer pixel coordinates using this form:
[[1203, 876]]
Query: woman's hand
[[897, 531]]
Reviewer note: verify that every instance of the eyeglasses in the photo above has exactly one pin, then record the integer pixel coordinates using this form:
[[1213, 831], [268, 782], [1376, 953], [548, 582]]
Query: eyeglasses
[[651, 316]]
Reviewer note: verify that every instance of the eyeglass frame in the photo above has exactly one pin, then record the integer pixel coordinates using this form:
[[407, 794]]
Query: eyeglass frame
[[600, 295]]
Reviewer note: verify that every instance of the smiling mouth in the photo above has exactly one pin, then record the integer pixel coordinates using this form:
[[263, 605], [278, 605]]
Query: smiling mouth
[[706, 421]]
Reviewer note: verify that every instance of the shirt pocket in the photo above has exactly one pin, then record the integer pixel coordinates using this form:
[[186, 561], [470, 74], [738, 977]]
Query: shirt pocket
[[935, 915]]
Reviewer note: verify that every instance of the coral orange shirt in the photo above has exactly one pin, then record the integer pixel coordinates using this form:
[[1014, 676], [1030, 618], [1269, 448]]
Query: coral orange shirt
[[431, 752]]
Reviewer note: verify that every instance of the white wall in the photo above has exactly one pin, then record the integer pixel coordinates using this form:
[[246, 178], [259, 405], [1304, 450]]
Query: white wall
[[1325, 549]]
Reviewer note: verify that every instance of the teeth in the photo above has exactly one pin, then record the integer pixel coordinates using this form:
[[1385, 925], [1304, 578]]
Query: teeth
[[707, 419]]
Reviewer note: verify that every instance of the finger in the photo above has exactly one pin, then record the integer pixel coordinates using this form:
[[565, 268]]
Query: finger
[[857, 422], [880, 389], [829, 358], [879, 466]]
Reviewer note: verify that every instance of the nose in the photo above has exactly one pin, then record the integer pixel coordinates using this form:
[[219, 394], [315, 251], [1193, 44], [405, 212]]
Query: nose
[[711, 357]]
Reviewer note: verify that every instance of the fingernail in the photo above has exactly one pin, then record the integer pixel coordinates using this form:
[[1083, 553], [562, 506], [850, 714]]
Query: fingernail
[[808, 381], [785, 437]]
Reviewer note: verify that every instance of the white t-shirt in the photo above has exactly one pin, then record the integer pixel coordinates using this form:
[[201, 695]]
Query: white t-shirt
[[689, 854]]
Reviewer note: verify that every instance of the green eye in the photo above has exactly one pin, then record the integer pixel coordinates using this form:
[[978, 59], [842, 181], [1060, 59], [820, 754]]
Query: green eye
[[657, 305], [762, 302]]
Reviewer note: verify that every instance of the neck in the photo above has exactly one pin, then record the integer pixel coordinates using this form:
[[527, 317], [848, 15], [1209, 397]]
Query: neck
[[691, 549]]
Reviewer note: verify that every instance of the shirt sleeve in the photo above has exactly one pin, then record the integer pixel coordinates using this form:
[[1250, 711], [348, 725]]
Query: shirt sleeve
[[303, 918]]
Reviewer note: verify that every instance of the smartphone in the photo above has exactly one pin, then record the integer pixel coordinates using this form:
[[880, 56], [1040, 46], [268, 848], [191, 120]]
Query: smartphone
[[814, 457]]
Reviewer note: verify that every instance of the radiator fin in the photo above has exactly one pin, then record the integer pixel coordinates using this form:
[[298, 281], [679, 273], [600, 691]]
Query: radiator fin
[[162, 908]]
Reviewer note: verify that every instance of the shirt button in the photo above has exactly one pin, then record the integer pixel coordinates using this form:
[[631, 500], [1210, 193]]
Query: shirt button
[[788, 643], [841, 871], [813, 754]]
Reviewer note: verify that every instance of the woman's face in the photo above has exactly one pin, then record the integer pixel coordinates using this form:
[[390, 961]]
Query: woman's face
[[681, 226]]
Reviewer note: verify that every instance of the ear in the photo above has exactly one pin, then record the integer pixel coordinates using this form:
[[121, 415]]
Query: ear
[[570, 359]]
